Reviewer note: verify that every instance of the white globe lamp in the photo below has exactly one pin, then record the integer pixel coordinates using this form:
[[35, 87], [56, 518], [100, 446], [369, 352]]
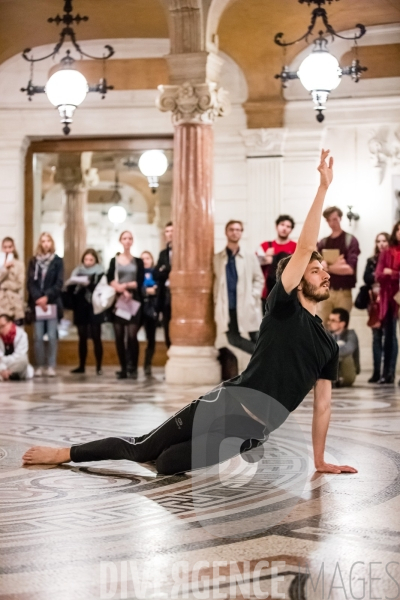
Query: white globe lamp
[[320, 74], [117, 214], [66, 89], [153, 164]]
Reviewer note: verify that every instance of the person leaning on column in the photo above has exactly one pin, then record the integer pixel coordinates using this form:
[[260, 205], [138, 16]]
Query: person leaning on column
[[12, 278], [340, 251], [162, 271], [238, 283]]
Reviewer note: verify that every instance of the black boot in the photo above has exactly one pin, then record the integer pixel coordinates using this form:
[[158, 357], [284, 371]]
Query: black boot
[[374, 378], [78, 370]]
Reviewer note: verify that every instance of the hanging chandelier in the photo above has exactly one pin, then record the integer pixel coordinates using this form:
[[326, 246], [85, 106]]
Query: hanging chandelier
[[320, 72], [117, 213], [66, 89]]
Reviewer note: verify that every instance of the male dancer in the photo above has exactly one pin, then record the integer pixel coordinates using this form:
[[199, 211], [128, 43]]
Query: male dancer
[[293, 354]]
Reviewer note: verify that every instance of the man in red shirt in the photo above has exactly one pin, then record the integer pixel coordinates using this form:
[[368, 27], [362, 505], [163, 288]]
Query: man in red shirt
[[270, 253]]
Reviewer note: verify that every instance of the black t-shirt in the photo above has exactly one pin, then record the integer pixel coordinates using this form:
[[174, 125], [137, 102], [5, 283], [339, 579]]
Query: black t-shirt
[[293, 351]]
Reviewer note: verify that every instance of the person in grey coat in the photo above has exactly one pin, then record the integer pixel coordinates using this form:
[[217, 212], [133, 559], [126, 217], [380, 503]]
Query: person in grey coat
[[347, 340]]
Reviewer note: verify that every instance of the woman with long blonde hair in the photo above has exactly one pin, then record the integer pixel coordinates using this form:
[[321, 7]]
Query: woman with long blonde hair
[[45, 282]]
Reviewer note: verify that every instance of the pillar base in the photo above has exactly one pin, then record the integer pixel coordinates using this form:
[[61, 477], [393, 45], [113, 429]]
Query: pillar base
[[193, 365]]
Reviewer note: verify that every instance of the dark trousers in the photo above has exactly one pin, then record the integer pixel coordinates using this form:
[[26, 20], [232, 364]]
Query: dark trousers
[[93, 331], [221, 430], [150, 326], [234, 337], [377, 349], [127, 343], [166, 313], [390, 345]]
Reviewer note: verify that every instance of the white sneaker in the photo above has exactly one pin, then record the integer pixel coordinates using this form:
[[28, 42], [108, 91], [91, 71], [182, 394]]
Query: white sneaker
[[51, 372], [39, 372]]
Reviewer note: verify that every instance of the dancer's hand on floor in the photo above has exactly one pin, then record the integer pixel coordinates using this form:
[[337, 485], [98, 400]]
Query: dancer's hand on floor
[[336, 469]]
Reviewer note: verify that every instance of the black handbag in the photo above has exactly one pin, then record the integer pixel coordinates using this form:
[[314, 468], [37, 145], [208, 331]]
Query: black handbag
[[363, 298], [149, 310]]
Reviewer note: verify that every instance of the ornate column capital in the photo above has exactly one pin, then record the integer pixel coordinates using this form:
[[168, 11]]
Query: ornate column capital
[[264, 142], [193, 103]]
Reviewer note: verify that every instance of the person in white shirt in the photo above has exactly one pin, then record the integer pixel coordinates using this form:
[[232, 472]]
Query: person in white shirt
[[14, 363]]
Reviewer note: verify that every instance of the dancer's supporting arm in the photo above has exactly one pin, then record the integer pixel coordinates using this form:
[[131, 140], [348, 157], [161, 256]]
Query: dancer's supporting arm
[[320, 424], [307, 243]]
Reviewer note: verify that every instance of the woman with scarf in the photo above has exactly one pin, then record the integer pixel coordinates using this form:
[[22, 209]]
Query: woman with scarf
[[44, 282], [387, 275], [80, 294], [12, 278]]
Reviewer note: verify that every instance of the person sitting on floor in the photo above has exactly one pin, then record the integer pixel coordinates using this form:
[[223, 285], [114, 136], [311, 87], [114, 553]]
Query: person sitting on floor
[[14, 364], [347, 340]]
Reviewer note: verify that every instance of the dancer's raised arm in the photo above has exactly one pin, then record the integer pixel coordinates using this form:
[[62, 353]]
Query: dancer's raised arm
[[294, 271]]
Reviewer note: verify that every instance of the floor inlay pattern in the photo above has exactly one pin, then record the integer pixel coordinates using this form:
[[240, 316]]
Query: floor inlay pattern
[[118, 530]]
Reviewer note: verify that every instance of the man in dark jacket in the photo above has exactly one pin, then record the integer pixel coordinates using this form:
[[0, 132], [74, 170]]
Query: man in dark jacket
[[347, 340], [163, 270]]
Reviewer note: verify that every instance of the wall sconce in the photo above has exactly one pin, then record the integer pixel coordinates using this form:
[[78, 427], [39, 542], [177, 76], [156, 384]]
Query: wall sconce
[[351, 215]]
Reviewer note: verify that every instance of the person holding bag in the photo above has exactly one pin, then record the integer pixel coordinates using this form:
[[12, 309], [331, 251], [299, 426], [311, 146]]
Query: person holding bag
[[45, 282], [126, 276], [12, 277], [84, 279], [150, 314], [387, 275]]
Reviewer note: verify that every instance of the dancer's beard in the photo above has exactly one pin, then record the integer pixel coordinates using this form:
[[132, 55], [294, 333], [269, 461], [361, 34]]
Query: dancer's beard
[[315, 293]]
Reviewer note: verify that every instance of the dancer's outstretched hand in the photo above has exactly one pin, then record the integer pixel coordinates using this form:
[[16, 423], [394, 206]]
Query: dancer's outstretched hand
[[325, 169], [328, 468]]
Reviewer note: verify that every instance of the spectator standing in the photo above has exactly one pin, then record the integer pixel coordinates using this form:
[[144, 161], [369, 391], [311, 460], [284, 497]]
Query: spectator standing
[[163, 270], [349, 352], [126, 276], [381, 244], [150, 314], [45, 282], [387, 275], [12, 279], [342, 268], [270, 253], [14, 364], [238, 283], [80, 298]]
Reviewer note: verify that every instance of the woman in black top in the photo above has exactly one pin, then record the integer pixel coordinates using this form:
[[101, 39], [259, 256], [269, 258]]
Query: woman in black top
[[80, 300], [44, 282], [126, 276], [149, 306], [378, 350]]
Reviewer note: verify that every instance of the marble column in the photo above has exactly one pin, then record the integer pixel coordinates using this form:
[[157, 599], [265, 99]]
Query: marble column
[[264, 151], [69, 174], [192, 358], [75, 228]]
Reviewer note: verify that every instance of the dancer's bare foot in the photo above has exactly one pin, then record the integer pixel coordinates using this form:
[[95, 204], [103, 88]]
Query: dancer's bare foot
[[44, 455]]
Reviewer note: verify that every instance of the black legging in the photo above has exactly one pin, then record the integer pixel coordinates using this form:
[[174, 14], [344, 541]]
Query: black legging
[[128, 351], [93, 331], [150, 326], [221, 430]]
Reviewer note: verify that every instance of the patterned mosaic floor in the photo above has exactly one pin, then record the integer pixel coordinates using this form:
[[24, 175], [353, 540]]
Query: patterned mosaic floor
[[117, 530]]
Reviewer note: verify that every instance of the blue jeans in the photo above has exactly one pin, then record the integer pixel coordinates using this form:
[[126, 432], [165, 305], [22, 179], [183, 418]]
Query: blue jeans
[[49, 327]]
